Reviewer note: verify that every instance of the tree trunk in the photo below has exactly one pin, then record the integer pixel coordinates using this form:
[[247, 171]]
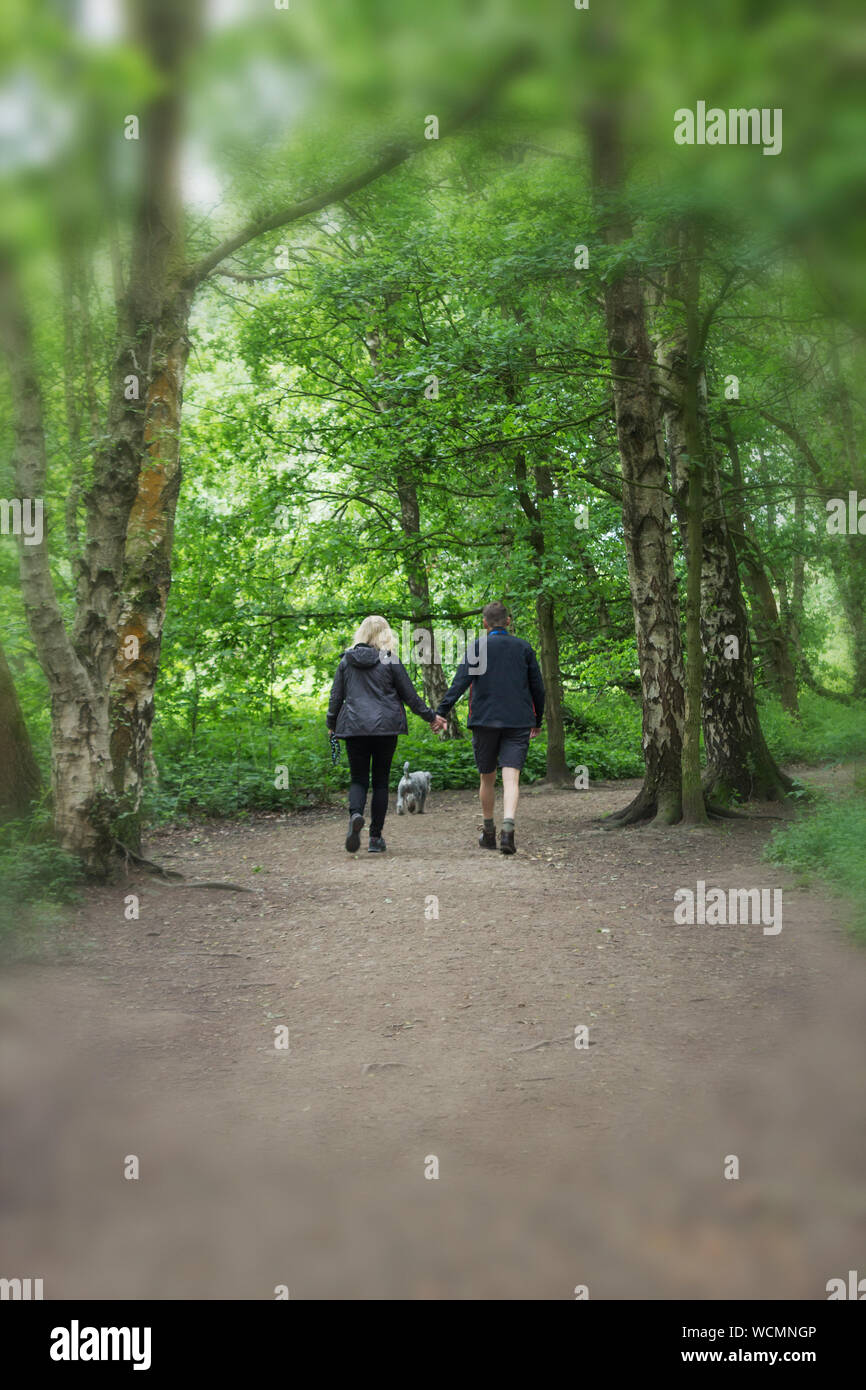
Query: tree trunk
[[147, 570], [765, 613], [20, 783], [795, 613], [433, 679], [738, 761], [850, 580], [156, 314], [432, 676], [556, 767], [556, 771], [768, 626], [79, 669], [694, 809], [646, 506], [593, 584], [548, 646], [79, 707], [856, 479]]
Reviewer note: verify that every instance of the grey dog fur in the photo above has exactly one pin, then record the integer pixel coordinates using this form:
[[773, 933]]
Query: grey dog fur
[[412, 791]]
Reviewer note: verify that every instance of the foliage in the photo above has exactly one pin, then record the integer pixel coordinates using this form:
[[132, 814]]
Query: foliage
[[828, 843], [323, 478], [34, 873], [232, 766], [826, 732]]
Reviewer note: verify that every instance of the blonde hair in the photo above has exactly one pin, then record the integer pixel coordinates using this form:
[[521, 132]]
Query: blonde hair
[[375, 631]]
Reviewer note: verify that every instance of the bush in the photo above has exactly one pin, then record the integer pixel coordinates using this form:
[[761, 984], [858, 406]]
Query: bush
[[828, 842], [603, 736], [231, 769], [35, 874], [827, 731]]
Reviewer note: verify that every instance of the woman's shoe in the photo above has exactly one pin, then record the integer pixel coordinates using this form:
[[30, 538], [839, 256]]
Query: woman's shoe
[[377, 845], [353, 839]]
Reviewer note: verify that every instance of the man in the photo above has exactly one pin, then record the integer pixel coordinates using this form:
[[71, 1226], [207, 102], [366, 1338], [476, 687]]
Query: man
[[506, 706]]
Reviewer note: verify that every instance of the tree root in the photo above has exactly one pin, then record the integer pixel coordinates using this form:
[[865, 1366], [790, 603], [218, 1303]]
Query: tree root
[[642, 808], [171, 877], [772, 785], [718, 812], [635, 813]]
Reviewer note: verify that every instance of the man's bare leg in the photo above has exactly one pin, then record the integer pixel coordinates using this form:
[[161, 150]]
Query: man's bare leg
[[487, 794], [510, 792]]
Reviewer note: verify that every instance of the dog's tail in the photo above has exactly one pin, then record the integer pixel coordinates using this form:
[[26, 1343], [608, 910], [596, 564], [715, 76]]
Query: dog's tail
[[406, 768]]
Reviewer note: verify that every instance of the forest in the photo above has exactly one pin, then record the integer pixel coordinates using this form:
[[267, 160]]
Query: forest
[[317, 311], [264, 376]]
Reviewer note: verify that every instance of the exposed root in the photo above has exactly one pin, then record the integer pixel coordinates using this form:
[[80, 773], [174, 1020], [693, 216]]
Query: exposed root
[[718, 812], [642, 810], [773, 786], [171, 877], [634, 814]]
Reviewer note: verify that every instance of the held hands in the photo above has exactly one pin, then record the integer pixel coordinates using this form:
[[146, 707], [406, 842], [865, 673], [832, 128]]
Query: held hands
[[533, 733], [438, 724]]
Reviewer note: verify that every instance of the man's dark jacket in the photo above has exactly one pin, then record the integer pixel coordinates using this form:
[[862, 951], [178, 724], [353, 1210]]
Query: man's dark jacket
[[507, 692], [368, 695]]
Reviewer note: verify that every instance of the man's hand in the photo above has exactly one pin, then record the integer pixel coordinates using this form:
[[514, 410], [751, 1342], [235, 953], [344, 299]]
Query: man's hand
[[533, 733], [439, 724]]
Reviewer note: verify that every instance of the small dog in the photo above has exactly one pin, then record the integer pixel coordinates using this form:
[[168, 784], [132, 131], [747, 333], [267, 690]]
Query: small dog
[[412, 791]]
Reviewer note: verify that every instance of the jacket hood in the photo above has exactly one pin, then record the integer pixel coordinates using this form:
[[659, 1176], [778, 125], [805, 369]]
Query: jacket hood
[[363, 656]]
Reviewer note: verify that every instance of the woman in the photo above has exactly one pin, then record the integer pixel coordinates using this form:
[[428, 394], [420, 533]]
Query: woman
[[366, 710]]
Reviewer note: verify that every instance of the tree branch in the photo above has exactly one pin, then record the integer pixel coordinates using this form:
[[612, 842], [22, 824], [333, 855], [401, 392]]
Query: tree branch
[[44, 617], [247, 277], [394, 154]]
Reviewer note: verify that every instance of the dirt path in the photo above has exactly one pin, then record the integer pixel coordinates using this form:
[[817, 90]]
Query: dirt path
[[415, 1035]]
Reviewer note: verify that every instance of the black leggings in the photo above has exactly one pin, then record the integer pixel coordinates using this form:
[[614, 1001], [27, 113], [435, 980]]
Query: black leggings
[[365, 753]]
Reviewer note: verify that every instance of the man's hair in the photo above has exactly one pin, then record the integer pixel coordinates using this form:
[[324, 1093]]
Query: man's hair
[[495, 614]]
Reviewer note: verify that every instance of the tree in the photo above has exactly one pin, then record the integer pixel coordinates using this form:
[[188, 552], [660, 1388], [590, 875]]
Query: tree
[[417, 577], [645, 496], [21, 782], [102, 675], [720, 688], [777, 638]]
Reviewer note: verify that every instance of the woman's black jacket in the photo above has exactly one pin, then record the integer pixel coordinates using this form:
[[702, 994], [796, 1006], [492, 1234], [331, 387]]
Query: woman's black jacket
[[368, 695]]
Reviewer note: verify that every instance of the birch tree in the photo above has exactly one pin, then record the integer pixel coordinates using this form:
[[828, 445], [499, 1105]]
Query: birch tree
[[102, 668]]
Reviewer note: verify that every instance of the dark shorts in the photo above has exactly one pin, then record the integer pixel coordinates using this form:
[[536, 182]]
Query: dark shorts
[[507, 747]]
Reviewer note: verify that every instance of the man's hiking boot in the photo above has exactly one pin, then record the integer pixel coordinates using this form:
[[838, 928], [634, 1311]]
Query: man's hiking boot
[[353, 839], [487, 839], [377, 845], [506, 842]]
